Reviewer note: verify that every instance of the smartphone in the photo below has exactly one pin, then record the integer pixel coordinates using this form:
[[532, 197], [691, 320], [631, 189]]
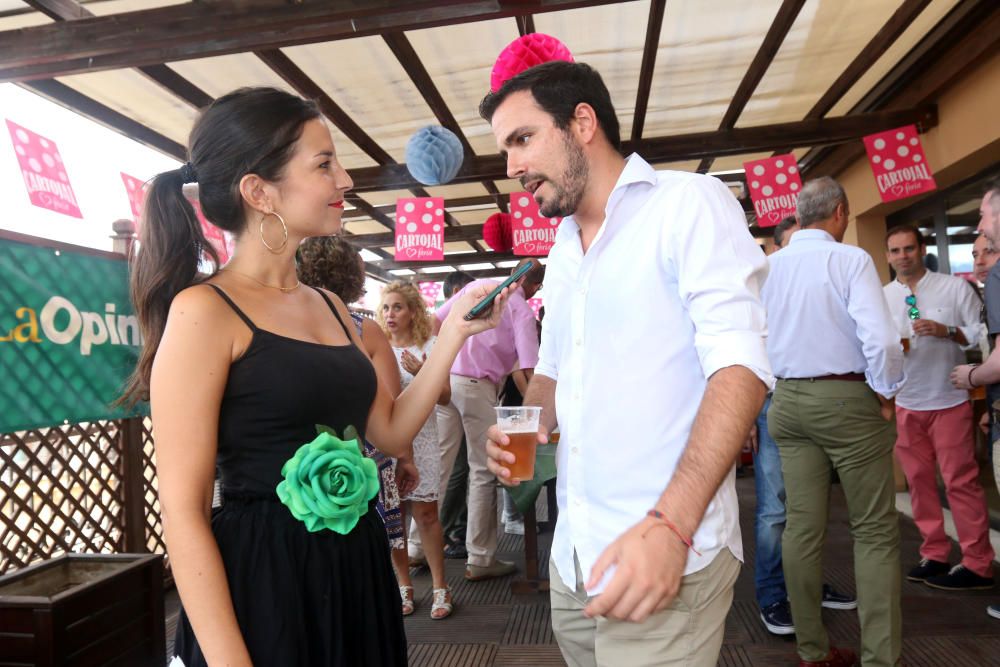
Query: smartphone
[[483, 306]]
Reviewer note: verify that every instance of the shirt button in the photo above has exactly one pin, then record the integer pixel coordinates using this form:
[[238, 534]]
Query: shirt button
[[576, 450], [578, 342]]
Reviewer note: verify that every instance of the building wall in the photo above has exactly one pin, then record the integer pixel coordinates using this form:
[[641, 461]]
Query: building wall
[[965, 141]]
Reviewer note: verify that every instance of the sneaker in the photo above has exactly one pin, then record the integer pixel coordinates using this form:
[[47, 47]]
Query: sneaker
[[839, 657], [960, 578], [777, 618], [928, 568], [499, 568], [993, 610], [456, 551], [835, 600], [514, 527]]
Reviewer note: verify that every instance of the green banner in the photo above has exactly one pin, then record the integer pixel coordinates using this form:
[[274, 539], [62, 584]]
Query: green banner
[[68, 334]]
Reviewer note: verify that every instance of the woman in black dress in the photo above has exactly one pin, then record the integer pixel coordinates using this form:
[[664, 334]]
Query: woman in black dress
[[244, 368]]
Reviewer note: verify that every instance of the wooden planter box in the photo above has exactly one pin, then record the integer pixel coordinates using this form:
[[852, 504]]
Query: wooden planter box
[[84, 610]]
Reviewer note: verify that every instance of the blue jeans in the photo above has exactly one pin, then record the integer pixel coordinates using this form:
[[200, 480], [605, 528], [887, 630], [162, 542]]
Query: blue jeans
[[769, 516]]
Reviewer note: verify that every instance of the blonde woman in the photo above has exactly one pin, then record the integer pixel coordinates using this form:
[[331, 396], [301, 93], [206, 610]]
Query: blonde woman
[[403, 316]]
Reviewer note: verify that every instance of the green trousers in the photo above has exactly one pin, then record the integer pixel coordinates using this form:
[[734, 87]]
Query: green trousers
[[827, 425]]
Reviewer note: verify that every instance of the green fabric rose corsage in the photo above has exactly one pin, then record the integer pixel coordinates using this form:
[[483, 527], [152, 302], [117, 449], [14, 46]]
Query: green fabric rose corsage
[[328, 482]]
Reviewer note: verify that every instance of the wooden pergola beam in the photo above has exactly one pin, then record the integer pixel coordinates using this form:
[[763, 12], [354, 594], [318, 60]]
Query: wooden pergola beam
[[967, 36], [65, 96], [773, 40], [734, 141], [387, 239], [206, 29], [649, 51]]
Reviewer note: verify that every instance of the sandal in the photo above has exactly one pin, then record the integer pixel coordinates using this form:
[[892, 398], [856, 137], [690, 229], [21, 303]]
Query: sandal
[[442, 603], [406, 594]]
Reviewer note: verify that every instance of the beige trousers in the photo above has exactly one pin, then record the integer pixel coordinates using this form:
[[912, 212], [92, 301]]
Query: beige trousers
[[688, 633]]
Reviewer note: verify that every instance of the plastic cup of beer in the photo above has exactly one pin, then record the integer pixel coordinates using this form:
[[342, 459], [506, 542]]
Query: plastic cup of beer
[[906, 344], [520, 425]]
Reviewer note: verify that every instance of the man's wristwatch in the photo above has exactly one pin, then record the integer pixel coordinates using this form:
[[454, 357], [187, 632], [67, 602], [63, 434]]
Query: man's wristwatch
[[951, 332]]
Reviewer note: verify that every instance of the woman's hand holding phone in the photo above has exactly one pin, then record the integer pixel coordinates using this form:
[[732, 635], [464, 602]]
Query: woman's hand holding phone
[[456, 317]]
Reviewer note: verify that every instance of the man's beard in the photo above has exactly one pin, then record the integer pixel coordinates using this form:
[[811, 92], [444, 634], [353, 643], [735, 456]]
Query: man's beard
[[568, 192]]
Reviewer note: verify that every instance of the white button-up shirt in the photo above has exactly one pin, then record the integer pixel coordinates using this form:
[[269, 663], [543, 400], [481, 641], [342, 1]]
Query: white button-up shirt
[[826, 314], [667, 294], [951, 301]]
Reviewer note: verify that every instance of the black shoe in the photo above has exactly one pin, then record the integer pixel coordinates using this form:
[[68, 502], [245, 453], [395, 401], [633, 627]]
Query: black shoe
[[834, 600], [456, 551], [960, 578], [928, 568], [777, 618]]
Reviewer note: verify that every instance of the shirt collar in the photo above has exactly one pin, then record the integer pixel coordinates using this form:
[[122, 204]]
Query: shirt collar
[[816, 234], [636, 170]]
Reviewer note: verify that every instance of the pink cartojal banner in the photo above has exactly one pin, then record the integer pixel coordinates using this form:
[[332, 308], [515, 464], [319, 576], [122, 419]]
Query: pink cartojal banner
[[899, 164], [532, 234], [135, 193], [430, 292], [774, 185], [536, 305], [216, 237], [420, 229], [43, 171]]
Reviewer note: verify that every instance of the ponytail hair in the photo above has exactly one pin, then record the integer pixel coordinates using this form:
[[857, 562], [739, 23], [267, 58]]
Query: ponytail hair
[[248, 131]]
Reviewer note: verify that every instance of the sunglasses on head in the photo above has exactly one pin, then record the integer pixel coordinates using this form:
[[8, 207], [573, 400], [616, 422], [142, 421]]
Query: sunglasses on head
[[913, 313]]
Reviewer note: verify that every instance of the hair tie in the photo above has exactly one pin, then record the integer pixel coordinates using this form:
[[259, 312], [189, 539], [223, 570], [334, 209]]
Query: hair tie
[[188, 174]]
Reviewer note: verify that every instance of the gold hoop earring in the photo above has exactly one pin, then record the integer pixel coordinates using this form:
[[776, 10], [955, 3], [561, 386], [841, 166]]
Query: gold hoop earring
[[284, 230]]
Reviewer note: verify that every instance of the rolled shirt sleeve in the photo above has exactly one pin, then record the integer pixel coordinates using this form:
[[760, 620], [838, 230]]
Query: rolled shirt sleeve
[[721, 270], [875, 329]]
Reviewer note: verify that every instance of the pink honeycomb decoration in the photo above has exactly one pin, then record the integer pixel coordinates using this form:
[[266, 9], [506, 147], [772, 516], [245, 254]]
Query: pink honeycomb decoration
[[524, 53]]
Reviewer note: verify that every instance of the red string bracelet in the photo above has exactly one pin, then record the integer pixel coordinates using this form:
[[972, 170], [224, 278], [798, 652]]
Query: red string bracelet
[[657, 514]]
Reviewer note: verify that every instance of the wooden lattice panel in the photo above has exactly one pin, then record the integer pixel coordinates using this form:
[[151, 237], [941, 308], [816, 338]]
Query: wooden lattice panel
[[151, 493], [60, 491]]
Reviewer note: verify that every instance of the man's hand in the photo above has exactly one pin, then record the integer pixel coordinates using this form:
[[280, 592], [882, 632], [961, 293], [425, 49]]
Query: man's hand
[[649, 560], [498, 457], [887, 406], [924, 327], [984, 423], [960, 376], [752, 442]]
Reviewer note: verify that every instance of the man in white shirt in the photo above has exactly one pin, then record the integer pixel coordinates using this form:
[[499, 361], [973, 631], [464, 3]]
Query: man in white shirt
[[838, 361], [653, 366], [939, 314]]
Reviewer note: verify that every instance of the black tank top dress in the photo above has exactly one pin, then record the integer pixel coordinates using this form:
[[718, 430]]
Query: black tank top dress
[[301, 598]]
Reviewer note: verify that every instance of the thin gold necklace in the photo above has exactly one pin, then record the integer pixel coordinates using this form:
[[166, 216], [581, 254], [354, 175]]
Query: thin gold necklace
[[263, 284]]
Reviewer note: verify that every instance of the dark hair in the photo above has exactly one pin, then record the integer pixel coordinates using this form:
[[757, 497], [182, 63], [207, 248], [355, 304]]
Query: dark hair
[[906, 229], [334, 264], [248, 131], [455, 281], [558, 87], [786, 223]]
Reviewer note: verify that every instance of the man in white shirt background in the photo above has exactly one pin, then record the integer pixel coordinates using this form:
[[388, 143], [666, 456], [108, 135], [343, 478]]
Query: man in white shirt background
[[653, 366], [939, 314], [838, 360]]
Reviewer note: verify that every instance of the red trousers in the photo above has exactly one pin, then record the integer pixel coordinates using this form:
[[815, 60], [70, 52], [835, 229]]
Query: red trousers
[[929, 439]]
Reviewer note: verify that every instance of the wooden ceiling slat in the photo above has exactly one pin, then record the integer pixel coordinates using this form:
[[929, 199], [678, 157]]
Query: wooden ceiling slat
[[525, 24], [408, 58], [206, 29], [307, 88], [163, 76], [65, 96], [773, 40], [459, 233], [454, 259], [371, 211], [649, 51], [879, 44], [734, 141], [966, 36]]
